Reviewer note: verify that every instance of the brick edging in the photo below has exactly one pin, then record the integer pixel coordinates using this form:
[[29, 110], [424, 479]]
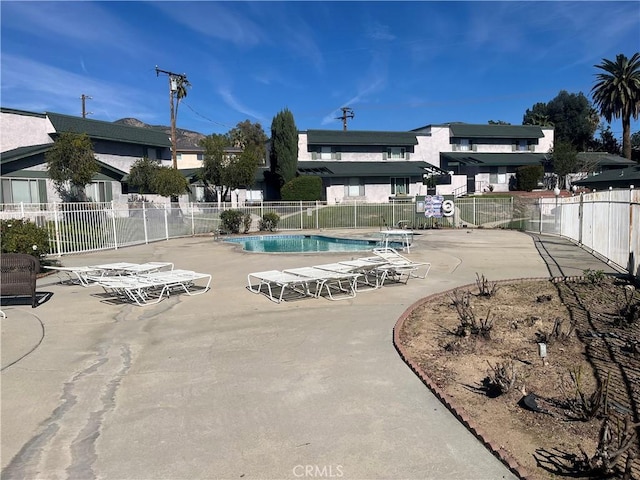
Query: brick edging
[[502, 455]]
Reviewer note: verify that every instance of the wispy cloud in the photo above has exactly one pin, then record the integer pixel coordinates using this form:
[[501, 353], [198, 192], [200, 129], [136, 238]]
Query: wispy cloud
[[233, 103], [371, 82], [87, 23], [221, 20], [24, 80], [378, 31]]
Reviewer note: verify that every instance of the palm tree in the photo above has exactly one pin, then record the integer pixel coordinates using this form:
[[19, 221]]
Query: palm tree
[[617, 93]]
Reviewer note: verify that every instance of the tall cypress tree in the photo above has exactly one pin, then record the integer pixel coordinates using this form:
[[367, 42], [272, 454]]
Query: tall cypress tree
[[284, 148]]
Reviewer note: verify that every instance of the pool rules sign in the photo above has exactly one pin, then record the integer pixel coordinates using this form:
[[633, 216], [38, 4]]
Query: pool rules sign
[[435, 206]]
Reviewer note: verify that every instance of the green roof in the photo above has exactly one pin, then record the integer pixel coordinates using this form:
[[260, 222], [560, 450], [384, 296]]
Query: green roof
[[494, 159], [97, 129], [109, 171], [620, 178], [365, 169], [24, 152], [465, 130], [340, 137], [605, 159], [22, 112]]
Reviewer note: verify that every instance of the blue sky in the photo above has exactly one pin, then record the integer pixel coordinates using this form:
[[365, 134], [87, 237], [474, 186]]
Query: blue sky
[[398, 65]]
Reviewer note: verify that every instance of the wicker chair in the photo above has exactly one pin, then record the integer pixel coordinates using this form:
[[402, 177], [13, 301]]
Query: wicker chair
[[18, 273]]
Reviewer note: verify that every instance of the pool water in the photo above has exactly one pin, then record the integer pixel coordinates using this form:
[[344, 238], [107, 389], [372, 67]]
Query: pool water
[[302, 244]]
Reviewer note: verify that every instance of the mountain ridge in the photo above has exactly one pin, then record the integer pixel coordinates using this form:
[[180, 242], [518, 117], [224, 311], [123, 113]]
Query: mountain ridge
[[186, 139]]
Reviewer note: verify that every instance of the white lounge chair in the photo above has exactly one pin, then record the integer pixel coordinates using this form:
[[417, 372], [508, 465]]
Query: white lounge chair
[[148, 267], [150, 288], [85, 275], [401, 264], [369, 277], [131, 288], [187, 281], [326, 280], [280, 283]]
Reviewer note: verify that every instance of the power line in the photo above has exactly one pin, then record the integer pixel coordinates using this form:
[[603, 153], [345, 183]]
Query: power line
[[205, 118]]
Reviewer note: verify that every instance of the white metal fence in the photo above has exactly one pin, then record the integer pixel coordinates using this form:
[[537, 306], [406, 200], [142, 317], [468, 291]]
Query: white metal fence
[[606, 222]]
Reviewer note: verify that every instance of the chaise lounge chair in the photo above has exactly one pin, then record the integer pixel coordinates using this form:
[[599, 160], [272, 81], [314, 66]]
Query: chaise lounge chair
[[370, 278], [343, 283], [395, 262], [86, 275], [278, 282], [150, 288]]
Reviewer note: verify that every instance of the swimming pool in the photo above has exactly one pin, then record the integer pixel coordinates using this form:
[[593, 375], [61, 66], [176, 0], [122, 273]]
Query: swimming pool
[[302, 244]]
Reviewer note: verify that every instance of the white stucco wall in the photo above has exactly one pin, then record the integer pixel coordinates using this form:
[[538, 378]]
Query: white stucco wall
[[546, 143], [422, 152], [373, 193], [432, 145], [189, 160], [23, 130]]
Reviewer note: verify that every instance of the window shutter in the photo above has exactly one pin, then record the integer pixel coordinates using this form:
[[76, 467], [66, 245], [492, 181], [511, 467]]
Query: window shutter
[[108, 191], [384, 155], [514, 147], [407, 155], [474, 147], [314, 155], [338, 156], [42, 191], [532, 147]]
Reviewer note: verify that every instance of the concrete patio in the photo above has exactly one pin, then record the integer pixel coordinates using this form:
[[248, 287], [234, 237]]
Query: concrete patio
[[229, 385]]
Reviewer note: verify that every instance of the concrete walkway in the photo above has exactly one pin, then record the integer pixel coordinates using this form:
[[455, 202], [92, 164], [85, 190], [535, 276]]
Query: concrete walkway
[[229, 385]]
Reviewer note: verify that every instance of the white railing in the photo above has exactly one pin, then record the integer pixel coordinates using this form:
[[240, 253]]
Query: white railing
[[82, 227], [608, 223]]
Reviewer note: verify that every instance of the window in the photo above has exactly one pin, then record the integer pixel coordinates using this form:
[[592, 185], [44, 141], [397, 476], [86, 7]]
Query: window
[[522, 146], [465, 145], [178, 156], [354, 187], [99, 192], [325, 153], [152, 153], [396, 153], [200, 156], [24, 190], [498, 175], [399, 186]]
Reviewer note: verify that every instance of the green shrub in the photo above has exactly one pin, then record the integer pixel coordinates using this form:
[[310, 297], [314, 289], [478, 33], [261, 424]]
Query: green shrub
[[23, 236], [595, 277], [231, 220], [269, 222], [306, 188], [528, 176]]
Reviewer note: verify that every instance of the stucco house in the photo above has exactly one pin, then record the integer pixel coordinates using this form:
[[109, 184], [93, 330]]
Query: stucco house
[[27, 136], [487, 156], [382, 166], [364, 166]]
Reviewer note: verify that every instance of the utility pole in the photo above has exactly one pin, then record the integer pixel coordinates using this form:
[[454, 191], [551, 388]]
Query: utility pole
[[346, 113], [84, 97], [177, 88]]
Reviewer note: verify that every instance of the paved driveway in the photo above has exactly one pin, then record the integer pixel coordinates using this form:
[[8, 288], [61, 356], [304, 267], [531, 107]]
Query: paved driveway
[[229, 385]]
